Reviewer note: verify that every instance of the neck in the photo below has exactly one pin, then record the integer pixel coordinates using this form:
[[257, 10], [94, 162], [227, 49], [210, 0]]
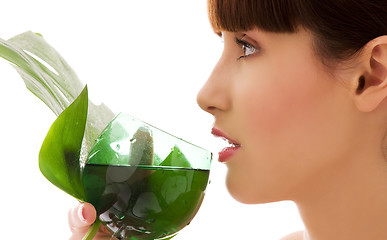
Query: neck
[[347, 204]]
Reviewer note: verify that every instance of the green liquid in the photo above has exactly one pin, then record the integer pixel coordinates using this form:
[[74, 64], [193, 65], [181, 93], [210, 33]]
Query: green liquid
[[144, 202]]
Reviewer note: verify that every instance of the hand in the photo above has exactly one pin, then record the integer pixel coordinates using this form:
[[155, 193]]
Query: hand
[[80, 219]]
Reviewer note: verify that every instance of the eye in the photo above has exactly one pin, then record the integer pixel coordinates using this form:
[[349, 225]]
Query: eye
[[246, 47]]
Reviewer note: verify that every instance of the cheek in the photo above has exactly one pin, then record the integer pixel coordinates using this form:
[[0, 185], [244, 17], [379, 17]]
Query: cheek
[[289, 105], [286, 121]]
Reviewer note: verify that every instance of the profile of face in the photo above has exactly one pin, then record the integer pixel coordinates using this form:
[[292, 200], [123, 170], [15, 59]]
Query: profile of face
[[292, 117]]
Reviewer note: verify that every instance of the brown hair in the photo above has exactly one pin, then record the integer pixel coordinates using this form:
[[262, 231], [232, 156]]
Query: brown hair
[[340, 27]]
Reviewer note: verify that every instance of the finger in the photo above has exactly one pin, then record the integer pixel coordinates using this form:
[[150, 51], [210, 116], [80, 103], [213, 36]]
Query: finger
[[81, 217]]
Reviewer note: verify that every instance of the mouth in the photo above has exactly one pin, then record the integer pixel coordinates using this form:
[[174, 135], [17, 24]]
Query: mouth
[[229, 151]]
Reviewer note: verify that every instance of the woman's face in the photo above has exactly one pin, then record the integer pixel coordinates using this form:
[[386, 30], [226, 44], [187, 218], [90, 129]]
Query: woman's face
[[286, 110]]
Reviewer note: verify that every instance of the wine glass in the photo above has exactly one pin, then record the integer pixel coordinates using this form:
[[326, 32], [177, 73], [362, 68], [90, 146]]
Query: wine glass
[[144, 182]]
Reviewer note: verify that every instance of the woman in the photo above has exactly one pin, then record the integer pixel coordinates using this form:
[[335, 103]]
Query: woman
[[300, 91]]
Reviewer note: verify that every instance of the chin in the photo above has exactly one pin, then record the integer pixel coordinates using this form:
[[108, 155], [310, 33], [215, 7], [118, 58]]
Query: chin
[[241, 194], [250, 195], [248, 199]]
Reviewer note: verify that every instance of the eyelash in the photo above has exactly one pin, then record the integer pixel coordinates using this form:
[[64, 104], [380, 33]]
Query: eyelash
[[245, 46]]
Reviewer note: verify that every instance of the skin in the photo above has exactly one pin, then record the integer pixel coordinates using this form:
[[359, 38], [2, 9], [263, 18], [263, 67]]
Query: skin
[[307, 133], [80, 219]]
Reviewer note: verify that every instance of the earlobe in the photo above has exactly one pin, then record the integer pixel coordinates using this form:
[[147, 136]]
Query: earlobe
[[372, 84]]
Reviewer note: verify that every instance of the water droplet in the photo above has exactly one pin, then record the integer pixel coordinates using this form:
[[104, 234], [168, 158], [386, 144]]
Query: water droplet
[[133, 140], [188, 223], [209, 182], [118, 147]]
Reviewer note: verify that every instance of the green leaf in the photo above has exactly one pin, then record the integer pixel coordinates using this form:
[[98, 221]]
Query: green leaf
[[93, 230], [43, 70], [58, 71], [48, 76], [176, 159], [60, 151]]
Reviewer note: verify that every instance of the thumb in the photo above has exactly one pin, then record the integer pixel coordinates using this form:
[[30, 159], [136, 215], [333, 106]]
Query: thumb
[[80, 218]]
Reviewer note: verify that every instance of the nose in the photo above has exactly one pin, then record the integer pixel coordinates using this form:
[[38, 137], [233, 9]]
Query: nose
[[215, 94]]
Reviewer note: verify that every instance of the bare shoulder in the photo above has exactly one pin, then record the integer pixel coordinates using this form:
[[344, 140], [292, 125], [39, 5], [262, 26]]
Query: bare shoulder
[[294, 236]]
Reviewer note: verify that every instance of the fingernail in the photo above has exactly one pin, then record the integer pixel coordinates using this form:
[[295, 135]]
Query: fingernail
[[80, 213]]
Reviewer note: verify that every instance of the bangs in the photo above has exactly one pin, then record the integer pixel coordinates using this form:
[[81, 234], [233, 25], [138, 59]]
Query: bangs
[[243, 15]]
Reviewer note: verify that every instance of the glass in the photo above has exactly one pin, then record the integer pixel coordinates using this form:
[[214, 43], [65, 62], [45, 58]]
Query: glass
[[144, 182]]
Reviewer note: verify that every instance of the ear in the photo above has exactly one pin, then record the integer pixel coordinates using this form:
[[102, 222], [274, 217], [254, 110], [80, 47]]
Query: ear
[[372, 84]]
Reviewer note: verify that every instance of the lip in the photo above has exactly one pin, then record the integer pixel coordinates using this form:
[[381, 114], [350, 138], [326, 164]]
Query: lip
[[227, 152]]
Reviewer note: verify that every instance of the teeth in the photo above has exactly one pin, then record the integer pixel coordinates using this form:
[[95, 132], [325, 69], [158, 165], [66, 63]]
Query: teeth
[[225, 140], [233, 144]]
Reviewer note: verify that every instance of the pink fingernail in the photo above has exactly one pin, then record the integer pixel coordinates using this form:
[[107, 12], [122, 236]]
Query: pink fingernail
[[80, 213]]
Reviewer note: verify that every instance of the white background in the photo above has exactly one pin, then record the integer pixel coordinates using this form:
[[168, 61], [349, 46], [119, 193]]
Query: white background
[[146, 58]]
